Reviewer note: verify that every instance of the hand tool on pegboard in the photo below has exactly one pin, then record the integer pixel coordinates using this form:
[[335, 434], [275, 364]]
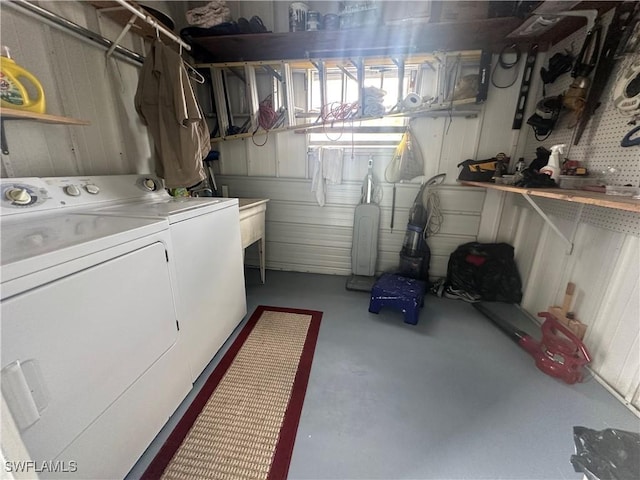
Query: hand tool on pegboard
[[525, 86], [575, 97], [622, 19]]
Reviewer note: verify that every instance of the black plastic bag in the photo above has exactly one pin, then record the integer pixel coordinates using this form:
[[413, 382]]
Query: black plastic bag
[[533, 179], [486, 269], [609, 454]]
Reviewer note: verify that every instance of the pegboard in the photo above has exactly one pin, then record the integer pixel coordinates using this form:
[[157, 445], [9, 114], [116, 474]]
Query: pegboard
[[608, 218], [599, 147], [556, 208], [616, 220]]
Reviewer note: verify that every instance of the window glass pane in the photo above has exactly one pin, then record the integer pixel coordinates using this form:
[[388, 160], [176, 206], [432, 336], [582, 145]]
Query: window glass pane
[[343, 89]]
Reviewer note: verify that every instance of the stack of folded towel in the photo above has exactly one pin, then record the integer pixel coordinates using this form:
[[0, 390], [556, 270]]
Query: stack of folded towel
[[213, 13], [373, 98]]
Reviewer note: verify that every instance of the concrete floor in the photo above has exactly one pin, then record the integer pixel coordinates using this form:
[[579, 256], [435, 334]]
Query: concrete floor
[[449, 398]]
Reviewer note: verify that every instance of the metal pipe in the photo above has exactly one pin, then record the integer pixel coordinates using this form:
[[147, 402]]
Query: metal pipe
[[154, 23], [74, 29]]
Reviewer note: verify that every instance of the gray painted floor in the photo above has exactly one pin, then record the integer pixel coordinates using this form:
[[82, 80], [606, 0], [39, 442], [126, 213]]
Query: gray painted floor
[[449, 398]]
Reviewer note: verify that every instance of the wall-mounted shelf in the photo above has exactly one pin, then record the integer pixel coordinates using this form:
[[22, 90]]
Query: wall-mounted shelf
[[121, 16], [577, 196], [11, 114], [580, 197], [488, 34], [383, 40], [14, 114]]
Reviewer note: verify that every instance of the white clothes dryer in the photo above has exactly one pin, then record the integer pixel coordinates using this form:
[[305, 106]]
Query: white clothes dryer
[[205, 235]]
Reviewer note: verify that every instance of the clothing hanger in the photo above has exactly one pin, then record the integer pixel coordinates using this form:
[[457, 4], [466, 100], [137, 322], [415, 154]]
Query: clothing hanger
[[194, 74]]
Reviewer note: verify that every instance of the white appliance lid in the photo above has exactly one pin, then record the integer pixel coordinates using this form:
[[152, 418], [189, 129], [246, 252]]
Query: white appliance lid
[[30, 244], [175, 209]]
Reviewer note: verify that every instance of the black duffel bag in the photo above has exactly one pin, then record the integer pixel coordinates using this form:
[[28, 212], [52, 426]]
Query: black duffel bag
[[486, 269]]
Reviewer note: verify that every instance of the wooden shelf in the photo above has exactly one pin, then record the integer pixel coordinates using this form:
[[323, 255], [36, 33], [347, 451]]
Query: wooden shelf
[[576, 196], [486, 34], [121, 16], [339, 60], [11, 114]]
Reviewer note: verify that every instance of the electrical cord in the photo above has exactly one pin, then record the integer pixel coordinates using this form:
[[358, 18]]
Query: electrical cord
[[453, 91], [540, 139], [267, 118], [337, 111], [435, 218], [507, 65]]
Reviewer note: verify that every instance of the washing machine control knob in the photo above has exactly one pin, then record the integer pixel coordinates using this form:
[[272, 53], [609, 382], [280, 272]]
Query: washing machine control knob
[[72, 190], [19, 196], [150, 184], [92, 189]]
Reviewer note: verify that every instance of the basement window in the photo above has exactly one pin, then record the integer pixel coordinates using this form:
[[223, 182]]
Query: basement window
[[341, 127]]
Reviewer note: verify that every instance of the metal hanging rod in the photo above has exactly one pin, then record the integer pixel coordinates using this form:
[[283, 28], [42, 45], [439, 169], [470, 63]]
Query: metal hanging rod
[[154, 23], [74, 29]]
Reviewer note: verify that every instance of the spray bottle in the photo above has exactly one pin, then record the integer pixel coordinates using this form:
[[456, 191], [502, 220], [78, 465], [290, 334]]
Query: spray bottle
[[552, 168]]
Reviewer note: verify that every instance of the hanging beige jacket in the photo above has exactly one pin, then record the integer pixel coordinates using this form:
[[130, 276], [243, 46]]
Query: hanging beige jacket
[[167, 105]]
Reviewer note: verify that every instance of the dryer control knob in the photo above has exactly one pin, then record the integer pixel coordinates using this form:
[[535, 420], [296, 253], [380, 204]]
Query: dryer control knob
[[19, 196], [92, 189], [150, 184], [72, 190]]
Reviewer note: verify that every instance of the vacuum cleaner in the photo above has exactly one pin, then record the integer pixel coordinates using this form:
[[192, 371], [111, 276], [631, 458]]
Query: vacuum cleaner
[[364, 250], [415, 254], [559, 353]]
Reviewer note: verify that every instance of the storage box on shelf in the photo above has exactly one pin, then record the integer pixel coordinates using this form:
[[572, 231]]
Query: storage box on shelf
[[576, 182], [633, 192], [505, 180]]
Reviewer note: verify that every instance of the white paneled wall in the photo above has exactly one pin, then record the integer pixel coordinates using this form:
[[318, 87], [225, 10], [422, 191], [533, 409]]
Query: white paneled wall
[[78, 82], [605, 261], [605, 267], [302, 236]]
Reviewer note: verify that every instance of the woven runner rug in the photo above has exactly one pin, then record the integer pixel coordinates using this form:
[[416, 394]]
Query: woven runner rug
[[243, 423]]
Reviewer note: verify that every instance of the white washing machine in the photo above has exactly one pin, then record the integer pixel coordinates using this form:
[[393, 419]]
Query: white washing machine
[[90, 360], [205, 235]]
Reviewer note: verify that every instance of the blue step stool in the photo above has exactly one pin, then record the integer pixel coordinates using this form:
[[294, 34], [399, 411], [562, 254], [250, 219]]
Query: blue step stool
[[400, 293]]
